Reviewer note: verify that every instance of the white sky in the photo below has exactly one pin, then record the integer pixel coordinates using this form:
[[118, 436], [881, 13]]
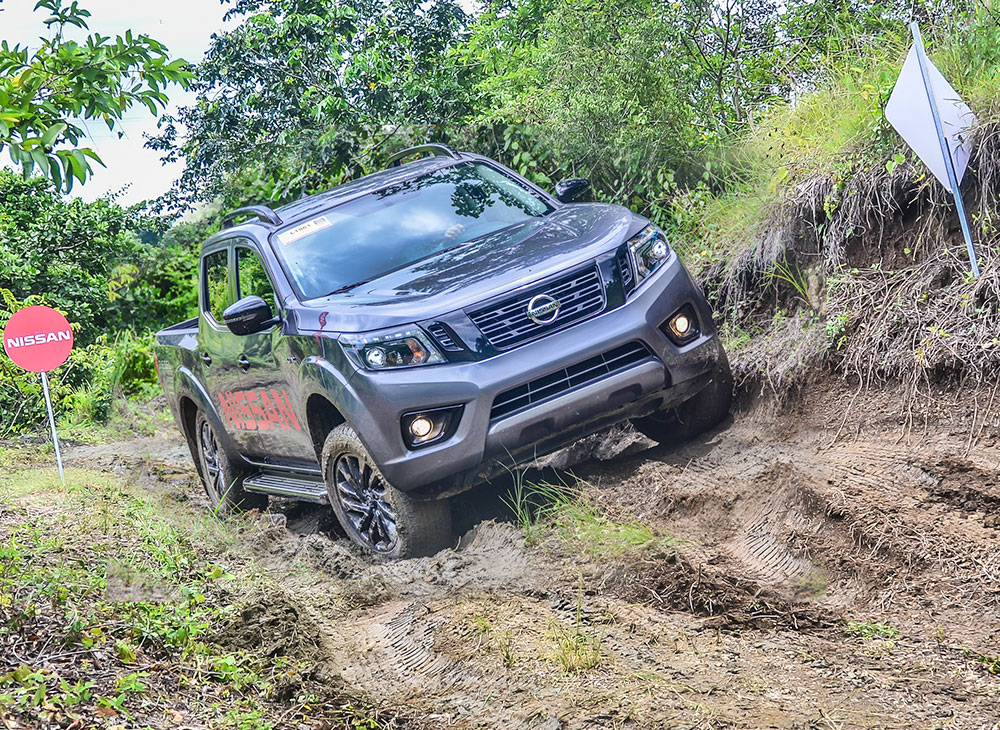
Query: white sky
[[184, 26]]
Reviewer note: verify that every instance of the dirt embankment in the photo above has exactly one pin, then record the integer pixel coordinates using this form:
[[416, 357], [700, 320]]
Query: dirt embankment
[[836, 566]]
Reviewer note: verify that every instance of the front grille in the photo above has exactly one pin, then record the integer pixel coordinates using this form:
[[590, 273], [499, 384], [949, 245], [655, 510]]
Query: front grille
[[440, 333], [506, 324], [574, 376]]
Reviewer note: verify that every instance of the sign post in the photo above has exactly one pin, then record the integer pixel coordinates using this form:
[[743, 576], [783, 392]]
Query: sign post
[[39, 339], [930, 115], [52, 425]]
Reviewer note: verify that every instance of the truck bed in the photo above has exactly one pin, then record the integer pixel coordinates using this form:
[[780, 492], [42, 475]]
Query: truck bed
[[183, 334], [176, 347]]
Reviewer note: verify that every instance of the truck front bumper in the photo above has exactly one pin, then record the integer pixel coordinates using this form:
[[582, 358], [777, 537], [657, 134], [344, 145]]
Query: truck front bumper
[[482, 444]]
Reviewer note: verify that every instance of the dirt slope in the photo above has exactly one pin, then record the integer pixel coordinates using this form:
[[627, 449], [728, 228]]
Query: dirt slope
[[786, 528]]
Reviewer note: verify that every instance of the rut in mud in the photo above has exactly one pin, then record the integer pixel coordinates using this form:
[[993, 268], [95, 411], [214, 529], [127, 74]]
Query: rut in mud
[[825, 569]]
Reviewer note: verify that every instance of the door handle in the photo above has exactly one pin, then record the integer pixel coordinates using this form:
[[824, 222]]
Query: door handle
[[244, 363], [206, 358]]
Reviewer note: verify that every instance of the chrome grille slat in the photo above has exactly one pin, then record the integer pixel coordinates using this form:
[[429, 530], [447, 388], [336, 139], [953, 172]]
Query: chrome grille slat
[[506, 310], [574, 376], [624, 268], [439, 333], [506, 323]]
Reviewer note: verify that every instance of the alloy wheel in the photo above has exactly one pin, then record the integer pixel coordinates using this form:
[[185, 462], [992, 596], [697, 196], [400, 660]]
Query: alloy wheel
[[213, 463], [362, 494]]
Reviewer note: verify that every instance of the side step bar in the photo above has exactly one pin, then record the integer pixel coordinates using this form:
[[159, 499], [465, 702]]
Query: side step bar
[[285, 485]]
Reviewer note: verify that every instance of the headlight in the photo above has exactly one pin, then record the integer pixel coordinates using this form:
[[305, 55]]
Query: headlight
[[396, 348], [648, 250]]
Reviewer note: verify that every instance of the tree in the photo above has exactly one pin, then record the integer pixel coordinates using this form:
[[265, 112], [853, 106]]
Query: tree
[[303, 92], [46, 92]]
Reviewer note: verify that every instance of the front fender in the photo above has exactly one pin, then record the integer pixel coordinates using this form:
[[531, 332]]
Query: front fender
[[333, 381]]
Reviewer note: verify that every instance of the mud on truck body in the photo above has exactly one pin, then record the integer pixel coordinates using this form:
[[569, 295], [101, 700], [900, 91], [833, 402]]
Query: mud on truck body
[[408, 335]]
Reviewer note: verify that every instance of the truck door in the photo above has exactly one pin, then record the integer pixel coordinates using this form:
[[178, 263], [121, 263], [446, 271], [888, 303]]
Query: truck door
[[218, 348], [269, 376]]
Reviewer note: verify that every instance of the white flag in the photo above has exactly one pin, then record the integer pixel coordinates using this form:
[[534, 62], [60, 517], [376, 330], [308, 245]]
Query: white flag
[[909, 111]]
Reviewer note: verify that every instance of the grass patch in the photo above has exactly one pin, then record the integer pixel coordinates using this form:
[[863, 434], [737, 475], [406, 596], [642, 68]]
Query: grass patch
[[870, 630], [576, 650], [114, 605], [992, 663], [569, 515], [129, 418]]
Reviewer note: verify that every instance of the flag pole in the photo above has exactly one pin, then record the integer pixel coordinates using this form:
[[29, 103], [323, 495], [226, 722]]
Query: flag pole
[[949, 162], [52, 425]]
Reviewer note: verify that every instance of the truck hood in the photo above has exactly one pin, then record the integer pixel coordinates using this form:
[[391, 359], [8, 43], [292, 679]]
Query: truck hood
[[475, 271]]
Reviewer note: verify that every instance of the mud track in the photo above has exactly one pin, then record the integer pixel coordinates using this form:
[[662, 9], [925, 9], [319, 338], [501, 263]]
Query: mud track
[[785, 530]]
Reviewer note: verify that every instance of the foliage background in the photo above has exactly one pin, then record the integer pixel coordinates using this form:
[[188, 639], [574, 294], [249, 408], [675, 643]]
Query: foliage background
[[751, 131]]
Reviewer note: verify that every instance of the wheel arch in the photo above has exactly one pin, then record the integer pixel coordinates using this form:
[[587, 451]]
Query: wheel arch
[[188, 414], [322, 416], [192, 397]]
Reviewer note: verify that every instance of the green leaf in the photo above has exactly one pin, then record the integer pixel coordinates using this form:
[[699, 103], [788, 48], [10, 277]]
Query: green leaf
[[50, 135]]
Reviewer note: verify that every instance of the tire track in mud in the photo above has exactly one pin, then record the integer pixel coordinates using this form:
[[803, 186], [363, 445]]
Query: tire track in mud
[[857, 526], [772, 519]]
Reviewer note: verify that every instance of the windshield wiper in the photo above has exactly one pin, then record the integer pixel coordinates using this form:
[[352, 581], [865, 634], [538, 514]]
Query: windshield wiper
[[347, 288]]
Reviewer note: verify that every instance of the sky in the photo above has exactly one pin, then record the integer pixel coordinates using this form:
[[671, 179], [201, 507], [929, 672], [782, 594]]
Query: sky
[[184, 26]]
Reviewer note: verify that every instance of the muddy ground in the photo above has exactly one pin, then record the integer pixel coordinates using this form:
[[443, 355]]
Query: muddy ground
[[834, 566]]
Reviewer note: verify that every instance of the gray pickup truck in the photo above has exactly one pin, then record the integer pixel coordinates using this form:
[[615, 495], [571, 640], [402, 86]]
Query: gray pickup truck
[[410, 334]]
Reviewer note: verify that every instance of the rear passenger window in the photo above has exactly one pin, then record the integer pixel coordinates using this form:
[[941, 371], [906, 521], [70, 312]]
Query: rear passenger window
[[252, 276], [216, 284]]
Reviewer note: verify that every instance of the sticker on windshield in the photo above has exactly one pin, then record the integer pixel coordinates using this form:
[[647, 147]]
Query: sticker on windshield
[[306, 229]]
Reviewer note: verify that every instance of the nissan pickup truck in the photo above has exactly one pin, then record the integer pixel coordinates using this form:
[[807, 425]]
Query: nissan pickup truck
[[411, 334]]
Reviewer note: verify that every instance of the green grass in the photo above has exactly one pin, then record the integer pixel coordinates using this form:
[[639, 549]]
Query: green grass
[[992, 663], [576, 648], [569, 515], [871, 630], [128, 593], [576, 651], [834, 132], [129, 418]]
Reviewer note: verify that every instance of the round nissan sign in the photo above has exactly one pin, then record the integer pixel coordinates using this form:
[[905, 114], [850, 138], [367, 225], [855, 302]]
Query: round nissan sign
[[38, 339]]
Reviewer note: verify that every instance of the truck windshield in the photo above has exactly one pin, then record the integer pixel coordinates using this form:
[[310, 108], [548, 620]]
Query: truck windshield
[[365, 238]]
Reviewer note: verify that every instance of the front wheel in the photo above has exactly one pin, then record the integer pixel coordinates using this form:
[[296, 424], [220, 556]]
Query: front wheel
[[222, 479], [704, 410], [374, 514]]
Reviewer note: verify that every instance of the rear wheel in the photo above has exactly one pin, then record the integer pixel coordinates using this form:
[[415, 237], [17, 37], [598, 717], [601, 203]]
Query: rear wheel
[[705, 410], [222, 479], [374, 514]]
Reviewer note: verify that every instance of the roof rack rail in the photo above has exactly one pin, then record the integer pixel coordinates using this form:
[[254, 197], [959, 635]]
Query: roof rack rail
[[436, 150], [262, 212]]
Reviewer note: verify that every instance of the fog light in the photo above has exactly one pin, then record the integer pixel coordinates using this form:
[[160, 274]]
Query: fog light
[[681, 325], [421, 427], [427, 427]]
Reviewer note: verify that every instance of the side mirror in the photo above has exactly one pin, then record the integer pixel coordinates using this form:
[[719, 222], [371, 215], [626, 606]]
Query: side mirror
[[248, 316], [574, 190]]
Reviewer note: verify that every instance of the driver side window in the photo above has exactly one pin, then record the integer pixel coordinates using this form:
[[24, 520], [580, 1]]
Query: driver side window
[[252, 277]]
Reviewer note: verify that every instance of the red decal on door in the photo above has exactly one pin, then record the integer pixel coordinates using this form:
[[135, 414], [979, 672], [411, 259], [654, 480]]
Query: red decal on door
[[274, 418], [261, 423], [255, 410], [285, 408]]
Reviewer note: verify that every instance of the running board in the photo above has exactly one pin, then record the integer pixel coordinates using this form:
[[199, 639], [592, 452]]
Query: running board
[[284, 485]]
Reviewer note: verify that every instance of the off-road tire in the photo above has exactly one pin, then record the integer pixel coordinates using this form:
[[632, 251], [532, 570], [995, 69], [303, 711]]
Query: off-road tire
[[376, 516], [703, 411], [222, 479]]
